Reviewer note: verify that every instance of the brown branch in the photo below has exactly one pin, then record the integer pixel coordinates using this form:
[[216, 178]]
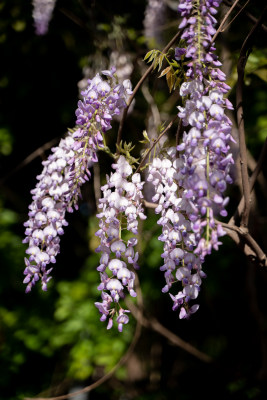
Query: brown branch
[[241, 237], [223, 21], [232, 20], [252, 181], [97, 185], [260, 255], [176, 340], [242, 139], [252, 164], [155, 325], [155, 142], [246, 242], [78, 21], [106, 377], [178, 135], [36, 153], [145, 75], [148, 204], [179, 131], [256, 311], [244, 53], [153, 107], [248, 14], [122, 361]]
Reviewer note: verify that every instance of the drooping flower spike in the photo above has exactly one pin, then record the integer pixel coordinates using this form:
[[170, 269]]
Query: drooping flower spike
[[42, 14], [120, 208], [190, 179], [205, 147], [190, 187], [65, 171], [180, 262]]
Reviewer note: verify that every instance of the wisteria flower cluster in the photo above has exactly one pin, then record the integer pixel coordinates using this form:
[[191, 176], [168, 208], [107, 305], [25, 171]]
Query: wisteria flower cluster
[[189, 180], [66, 170], [155, 15], [121, 208], [42, 14], [200, 171], [178, 236], [205, 148]]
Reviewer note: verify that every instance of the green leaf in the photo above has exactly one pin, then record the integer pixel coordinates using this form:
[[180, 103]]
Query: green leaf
[[155, 62], [148, 54], [147, 140], [145, 166], [177, 83], [165, 71], [170, 80], [153, 55], [161, 58], [175, 64], [162, 127], [261, 73]]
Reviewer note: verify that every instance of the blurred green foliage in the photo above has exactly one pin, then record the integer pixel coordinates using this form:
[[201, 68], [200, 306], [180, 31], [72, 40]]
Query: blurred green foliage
[[5, 142]]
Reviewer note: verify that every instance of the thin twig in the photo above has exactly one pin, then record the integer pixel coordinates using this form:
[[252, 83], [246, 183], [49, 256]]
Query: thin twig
[[244, 53], [36, 153], [148, 204], [122, 361], [252, 181], [155, 142], [78, 21], [260, 255], [154, 108], [239, 235], [255, 306], [252, 164], [106, 377], [145, 75], [179, 131], [248, 14], [97, 184], [243, 239], [232, 20], [223, 21], [242, 139], [155, 325], [178, 134]]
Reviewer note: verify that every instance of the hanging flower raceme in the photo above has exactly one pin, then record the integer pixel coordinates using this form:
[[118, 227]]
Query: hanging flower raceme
[[205, 148], [120, 209], [191, 180], [180, 263], [155, 16], [42, 14], [65, 171]]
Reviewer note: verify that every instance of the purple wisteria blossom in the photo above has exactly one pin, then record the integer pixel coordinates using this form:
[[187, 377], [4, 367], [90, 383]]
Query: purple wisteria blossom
[[65, 171], [205, 147], [155, 16], [180, 262], [191, 180], [120, 209], [42, 14]]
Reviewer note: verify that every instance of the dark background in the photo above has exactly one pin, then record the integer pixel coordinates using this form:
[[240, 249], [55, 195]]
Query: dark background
[[54, 341]]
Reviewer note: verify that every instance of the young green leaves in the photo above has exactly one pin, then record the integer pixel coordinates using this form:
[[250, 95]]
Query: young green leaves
[[173, 71]]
